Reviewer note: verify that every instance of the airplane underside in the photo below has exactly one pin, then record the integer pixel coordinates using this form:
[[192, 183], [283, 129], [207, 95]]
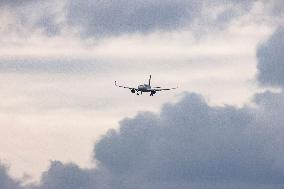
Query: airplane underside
[[141, 92]]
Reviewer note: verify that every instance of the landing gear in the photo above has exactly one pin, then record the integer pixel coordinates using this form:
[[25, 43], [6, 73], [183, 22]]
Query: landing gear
[[138, 93], [152, 93]]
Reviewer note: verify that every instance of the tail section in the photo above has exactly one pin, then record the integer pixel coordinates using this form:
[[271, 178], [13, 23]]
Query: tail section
[[150, 81]]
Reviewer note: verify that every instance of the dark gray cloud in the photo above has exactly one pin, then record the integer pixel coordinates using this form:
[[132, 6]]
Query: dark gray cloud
[[15, 2], [103, 18], [108, 18], [271, 60], [191, 142], [6, 182], [69, 176], [187, 145], [96, 18], [32, 15], [111, 18]]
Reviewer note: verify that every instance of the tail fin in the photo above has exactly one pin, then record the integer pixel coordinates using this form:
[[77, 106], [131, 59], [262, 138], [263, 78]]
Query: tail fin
[[150, 81]]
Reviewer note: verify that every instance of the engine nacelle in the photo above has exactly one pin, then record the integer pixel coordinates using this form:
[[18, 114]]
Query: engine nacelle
[[133, 90]]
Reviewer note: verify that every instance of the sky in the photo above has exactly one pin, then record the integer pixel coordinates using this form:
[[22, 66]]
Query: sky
[[65, 125]]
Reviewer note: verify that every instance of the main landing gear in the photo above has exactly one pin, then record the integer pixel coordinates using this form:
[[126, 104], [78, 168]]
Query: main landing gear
[[152, 93]]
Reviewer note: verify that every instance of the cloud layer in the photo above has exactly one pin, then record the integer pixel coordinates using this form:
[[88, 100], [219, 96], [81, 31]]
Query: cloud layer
[[104, 18], [188, 144], [191, 142], [271, 60], [6, 182], [112, 18]]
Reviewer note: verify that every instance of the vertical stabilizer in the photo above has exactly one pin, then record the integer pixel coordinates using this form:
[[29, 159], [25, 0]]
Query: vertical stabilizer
[[150, 81]]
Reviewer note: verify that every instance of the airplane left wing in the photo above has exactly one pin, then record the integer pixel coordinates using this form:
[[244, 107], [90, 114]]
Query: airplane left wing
[[125, 86]]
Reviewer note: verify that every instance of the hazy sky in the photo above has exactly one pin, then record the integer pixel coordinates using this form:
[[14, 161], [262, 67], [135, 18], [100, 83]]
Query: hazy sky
[[221, 129]]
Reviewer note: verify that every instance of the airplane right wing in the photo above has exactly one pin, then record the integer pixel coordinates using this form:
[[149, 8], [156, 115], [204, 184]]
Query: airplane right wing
[[163, 89]]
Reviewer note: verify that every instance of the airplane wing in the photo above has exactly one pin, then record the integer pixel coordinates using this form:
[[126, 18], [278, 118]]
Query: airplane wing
[[163, 89], [125, 86]]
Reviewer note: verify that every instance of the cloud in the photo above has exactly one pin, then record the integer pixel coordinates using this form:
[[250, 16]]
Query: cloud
[[69, 176], [103, 18], [187, 144], [112, 18], [25, 18], [15, 2], [191, 142], [270, 60], [275, 8], [48, 23], [45, 65], [6, 182]]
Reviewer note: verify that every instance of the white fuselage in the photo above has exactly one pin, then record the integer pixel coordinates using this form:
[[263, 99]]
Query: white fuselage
[[144, 88]]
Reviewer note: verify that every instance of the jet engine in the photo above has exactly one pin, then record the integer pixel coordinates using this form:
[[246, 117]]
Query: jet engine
[[133, 90]]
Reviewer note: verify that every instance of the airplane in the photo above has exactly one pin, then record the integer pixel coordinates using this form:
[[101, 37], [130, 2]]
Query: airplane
[[145, 88]]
